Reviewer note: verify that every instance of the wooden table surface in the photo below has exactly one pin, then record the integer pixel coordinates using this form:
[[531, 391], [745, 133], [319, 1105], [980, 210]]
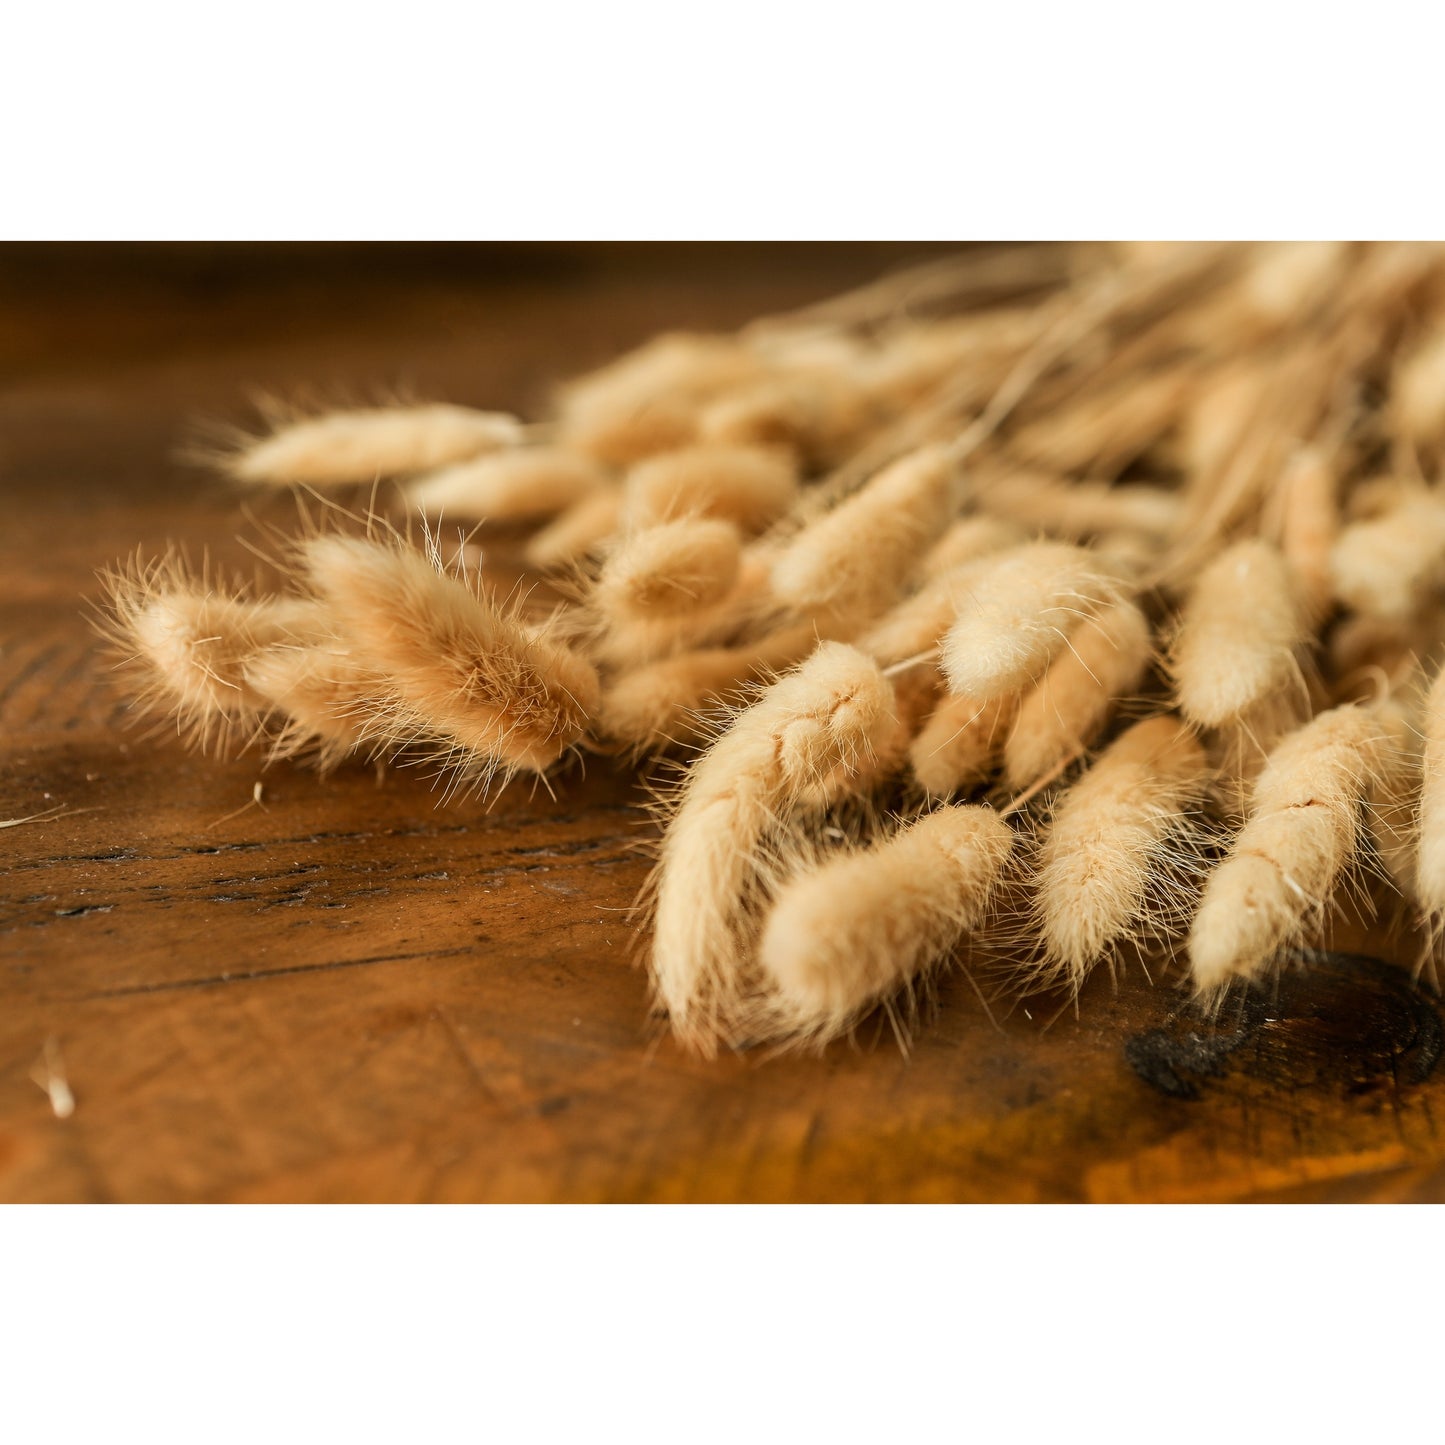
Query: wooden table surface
[[356, 992]]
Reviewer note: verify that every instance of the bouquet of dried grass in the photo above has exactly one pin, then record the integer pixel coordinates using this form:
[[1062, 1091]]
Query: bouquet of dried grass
[[1088, 601]]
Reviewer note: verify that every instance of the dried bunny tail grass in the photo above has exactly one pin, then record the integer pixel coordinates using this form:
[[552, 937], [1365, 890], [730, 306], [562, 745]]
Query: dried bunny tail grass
[[1395, 792], [749, 486], [1289, 280], [650, 400], [1430, 874], [1106, 659], [1239, 635], [1417, 393], [1110, 857], [851, 564], [486, 692], [1304, 830], [519, 485], [322, 700], [664, 704], [1078, 510], [959, 746], [1388, 566], [672, 567], [624, 633], [580, 532], [184, 641], [358, 446], [818, 415], [850, 934], [968, 539], [1019, 612], [832, 713], [1308, 526]]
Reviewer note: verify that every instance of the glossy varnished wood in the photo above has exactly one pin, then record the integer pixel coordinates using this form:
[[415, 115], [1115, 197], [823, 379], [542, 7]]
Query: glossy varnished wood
[[355, 991]]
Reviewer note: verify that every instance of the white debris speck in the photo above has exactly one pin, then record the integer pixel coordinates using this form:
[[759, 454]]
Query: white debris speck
[[48, 1073]]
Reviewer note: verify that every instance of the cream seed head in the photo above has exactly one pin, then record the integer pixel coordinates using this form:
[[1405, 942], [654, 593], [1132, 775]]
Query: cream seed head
[[651, 400], [359, 446], [833, 712], [1101, 873], [471, 683], [1389, 566], [1303, 832], [848, 935], [959, 746], [852, 563], [185, 641], [1106, 659], [968, 539], [1079, 510], [671, 567], [1021, 607], [522, 484], [665, 703], [749, 486], [816, 415], [1395, 792], [1289, 280], [1237, 639], [322, 700], [623, 634], [1417, 400]]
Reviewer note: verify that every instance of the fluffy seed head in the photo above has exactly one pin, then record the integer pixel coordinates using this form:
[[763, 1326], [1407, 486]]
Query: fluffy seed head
[[508, 486], [1417, 400], [959, 746], [1237, 638], [861, 927], [359, 446], [852, 563], [749, 486], [320, 696], [1106, 659], [1020, 610], [1100, 854], [1290, 279], [672, 567], [1309, 527], [817, 415], [1388, 566], [1079, 510], [832, 714], [650, 400], [664, 703], [185, 641], [1303, 830], [494, 694]]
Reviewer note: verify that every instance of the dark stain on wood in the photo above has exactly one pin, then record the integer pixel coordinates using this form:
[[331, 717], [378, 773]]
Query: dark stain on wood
[[1330, 1021]]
